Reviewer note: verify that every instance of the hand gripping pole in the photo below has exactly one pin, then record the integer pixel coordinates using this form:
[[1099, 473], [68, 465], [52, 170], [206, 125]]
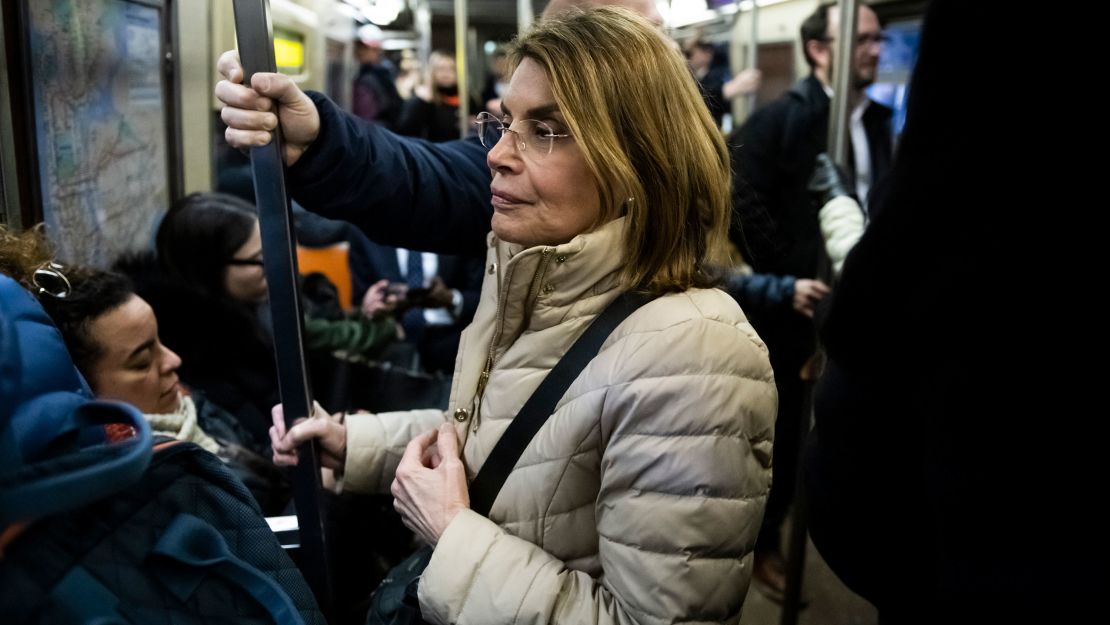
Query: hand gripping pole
[[254, 32]]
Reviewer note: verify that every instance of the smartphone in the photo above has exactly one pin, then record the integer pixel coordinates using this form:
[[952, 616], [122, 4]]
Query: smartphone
[[417, 297]]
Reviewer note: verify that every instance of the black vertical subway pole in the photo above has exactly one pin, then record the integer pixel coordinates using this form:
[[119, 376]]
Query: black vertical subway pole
[[254, 32], [839, 138]]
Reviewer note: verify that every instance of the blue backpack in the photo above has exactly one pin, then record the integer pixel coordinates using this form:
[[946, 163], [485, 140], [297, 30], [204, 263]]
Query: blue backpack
[[95, 531]]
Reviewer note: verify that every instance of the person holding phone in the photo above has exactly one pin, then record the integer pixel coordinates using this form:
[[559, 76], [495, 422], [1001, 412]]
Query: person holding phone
[[433, 296]]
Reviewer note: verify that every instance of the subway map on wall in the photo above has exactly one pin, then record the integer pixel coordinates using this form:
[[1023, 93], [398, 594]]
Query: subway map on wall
[[96, 67]]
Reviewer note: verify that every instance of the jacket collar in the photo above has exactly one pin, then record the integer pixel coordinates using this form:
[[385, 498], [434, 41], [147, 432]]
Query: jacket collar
[[811, 91], [539, 287]]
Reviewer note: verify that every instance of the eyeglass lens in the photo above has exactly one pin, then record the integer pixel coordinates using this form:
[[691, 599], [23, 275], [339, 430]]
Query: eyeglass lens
[[246, 261], [530, 135], [864, 39]]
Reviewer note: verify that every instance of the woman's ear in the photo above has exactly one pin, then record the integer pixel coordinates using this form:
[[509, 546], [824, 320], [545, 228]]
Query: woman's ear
[[622, 201]]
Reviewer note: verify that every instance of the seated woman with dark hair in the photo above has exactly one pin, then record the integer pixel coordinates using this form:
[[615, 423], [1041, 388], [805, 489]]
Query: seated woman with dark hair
[[112, 335], [209, 291]]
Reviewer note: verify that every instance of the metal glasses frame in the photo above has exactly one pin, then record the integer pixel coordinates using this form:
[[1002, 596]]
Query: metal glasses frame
[[485, 120]]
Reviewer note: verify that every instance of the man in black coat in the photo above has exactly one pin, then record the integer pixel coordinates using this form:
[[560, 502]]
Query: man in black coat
[[774, 155]]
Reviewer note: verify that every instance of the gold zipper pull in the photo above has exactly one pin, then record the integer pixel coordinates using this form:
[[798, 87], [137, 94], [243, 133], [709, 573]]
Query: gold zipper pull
[[478, 398]]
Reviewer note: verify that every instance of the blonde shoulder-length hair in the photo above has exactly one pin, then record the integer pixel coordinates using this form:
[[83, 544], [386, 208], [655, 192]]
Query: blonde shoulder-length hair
[[639, 119]]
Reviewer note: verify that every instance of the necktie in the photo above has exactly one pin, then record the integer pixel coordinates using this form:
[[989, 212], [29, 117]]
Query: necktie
[[415, 274], [413, 319]]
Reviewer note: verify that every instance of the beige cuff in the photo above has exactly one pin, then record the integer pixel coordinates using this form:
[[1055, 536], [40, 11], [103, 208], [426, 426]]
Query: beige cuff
[[455, 562]]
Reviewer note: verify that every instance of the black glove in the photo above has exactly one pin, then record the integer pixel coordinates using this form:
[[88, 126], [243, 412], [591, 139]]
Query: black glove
[[827, 181]]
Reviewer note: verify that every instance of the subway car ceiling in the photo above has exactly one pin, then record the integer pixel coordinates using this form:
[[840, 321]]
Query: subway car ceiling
[[107, 111]]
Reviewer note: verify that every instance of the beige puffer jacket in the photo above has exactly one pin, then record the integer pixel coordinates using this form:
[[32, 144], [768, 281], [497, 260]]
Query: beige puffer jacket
[[640, 498]]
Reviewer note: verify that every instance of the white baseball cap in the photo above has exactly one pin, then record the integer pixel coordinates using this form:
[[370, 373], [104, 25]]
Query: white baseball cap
[[370, 35]]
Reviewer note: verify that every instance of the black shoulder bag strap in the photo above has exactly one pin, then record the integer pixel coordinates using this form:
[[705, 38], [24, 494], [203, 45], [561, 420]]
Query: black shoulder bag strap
[[492, 475]]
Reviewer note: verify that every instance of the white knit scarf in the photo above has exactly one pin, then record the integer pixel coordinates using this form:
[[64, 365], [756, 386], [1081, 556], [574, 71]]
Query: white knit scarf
[[182, 425]]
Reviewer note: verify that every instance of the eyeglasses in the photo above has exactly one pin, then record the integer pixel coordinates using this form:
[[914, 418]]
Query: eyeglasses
[[49, 280], [864, 39], [248, 262], [531, 135]]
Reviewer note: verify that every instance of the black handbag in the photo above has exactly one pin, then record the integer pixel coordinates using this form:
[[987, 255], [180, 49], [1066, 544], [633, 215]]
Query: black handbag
[[395, 601], [385, 387]]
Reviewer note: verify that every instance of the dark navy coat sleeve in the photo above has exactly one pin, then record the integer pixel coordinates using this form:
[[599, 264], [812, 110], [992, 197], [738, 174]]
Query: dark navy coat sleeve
[[762, 292], [402, 192]]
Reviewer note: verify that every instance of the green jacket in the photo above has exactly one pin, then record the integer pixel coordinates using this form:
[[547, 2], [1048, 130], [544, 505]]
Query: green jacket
[[359, 335]]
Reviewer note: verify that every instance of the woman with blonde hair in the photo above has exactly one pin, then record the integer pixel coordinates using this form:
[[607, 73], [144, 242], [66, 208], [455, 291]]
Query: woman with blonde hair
[[639, 498], [432, 112]]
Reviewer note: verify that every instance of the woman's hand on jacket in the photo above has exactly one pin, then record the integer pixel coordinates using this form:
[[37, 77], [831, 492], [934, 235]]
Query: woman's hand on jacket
[[328, 429], [429, 489]]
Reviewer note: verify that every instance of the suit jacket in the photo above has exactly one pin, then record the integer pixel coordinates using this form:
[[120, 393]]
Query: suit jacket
[[462, 274], [438, 344]]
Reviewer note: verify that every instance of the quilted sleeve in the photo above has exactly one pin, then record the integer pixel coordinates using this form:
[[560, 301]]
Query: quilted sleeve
[[376, 442]]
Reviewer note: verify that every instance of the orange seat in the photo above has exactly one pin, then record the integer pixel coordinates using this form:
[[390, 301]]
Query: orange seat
[[332, 262]]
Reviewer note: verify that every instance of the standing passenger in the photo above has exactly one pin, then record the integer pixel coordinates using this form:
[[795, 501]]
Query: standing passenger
[[776, 152], [375, 96], [639, 499]]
